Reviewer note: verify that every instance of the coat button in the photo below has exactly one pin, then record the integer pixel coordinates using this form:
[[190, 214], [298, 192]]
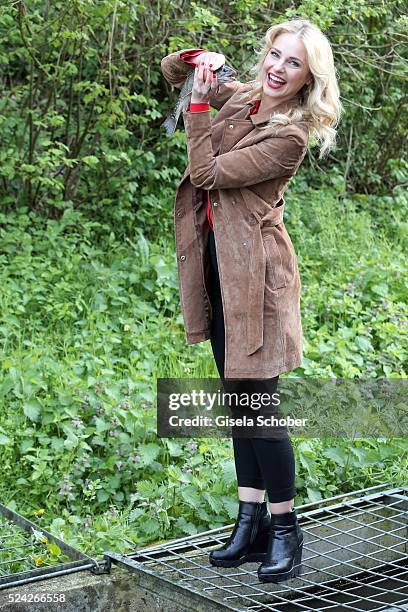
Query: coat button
[[182, 257], [230, 125], [180, 213], [215, 203]]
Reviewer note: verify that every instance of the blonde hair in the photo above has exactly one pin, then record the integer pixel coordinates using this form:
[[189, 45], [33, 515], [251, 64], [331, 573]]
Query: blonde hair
[[319, 103]]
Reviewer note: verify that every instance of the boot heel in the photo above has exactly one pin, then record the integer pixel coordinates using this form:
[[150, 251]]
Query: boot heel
[[297, 564], [258, 549], [293, 573], [275, 568], [297, 571], [260, 544]]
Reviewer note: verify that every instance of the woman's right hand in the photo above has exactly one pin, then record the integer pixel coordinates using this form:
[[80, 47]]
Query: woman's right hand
[[210, 57]]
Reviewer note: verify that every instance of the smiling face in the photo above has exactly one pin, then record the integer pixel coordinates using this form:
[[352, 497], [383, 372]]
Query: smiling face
[[288, 69]]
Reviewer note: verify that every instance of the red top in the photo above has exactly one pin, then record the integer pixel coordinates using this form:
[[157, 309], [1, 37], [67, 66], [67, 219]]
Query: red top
[[199, 108]]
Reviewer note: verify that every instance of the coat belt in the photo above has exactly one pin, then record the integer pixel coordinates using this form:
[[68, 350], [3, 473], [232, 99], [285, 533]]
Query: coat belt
[[257, 274]]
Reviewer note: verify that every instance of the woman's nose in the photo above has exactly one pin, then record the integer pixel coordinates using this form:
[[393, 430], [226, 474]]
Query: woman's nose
[[278, 65]]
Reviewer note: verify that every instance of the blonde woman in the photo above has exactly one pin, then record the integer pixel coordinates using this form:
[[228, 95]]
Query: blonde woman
[[238, 274]]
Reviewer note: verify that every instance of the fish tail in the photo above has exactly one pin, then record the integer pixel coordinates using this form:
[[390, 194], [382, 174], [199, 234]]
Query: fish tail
[[169, 124]]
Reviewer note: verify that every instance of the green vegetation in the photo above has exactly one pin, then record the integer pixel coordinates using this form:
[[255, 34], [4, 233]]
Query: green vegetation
[[86, 329], [89, 310]]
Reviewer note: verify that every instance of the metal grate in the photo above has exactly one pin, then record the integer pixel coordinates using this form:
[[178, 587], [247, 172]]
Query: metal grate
[[23, 546], [355, 557]]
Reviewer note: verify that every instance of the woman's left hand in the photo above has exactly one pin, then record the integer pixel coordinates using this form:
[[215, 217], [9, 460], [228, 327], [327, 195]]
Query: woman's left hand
[[205, 83]]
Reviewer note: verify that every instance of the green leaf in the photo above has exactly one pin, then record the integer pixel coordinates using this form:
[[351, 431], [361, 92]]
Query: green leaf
[[185, 526], [231, 506], [148, 452], [228, 473], [381, 289], [102, 495], [90, 160], [314, 494], [336, 454], [214, 502], [32, 410], [363, 343], [175, 448], [151, 526], [190, 496], [6, 386], [54, 549]]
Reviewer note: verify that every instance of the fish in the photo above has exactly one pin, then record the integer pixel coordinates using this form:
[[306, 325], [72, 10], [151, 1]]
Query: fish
[[225, 74]]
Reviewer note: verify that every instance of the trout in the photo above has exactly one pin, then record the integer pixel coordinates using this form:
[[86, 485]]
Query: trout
[[224, 74]]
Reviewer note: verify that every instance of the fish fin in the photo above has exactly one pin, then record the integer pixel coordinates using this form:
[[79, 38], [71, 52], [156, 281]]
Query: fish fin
[[169, 124]]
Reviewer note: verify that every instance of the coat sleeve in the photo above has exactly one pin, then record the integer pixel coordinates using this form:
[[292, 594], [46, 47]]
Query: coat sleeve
[[175, 71], [275, 156]]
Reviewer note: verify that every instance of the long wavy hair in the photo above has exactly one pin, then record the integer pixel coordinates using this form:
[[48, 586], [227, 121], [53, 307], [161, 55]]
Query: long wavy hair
[[319, 103]]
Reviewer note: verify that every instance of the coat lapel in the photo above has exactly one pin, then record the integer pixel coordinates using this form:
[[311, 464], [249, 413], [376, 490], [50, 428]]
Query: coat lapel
[[264, 113]]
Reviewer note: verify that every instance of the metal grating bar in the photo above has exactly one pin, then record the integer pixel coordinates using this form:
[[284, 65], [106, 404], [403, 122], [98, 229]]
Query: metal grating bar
[[244, 572], [22, 542], [355, 558]]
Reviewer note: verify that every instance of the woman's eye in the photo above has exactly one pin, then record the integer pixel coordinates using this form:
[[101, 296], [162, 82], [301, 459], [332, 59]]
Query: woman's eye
[[295, 63]]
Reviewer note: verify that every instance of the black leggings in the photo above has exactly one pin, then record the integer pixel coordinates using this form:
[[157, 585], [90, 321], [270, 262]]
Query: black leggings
[[261, 463]]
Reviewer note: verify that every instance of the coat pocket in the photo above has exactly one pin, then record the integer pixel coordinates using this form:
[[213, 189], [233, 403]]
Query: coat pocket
[[279, 259]]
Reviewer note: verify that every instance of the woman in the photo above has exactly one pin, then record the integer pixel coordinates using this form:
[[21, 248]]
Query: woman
[[238, 275]]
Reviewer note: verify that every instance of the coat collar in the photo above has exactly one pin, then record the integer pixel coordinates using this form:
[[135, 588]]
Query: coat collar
[[264, 116]]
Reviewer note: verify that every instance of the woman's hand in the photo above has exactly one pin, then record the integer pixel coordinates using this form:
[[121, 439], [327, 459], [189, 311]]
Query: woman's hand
[[211, 60], [204, 84], [208, 62]]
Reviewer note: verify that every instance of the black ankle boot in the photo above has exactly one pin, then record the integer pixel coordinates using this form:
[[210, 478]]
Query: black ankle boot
[[284, 555], [249, 538]]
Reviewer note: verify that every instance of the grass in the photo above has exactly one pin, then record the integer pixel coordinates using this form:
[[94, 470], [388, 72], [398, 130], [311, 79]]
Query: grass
[[90, 319]]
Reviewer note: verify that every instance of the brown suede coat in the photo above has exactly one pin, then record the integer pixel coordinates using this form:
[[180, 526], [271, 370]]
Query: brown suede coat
[[247, 170]]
